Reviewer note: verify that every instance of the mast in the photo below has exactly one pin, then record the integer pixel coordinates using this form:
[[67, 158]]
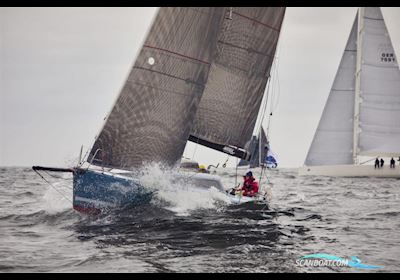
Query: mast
[[357, 101]]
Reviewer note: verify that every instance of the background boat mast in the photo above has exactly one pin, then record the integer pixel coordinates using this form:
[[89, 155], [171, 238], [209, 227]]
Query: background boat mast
[[356, 130]]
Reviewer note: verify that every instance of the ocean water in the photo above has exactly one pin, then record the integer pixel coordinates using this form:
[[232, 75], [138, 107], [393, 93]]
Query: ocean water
[[182, 232]]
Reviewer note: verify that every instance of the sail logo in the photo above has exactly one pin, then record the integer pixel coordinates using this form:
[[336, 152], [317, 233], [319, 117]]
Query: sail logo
[[324, 260], [229, 150], [387, 57]]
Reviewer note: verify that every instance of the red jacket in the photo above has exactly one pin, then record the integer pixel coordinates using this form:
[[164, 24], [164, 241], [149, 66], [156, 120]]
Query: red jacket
[[250, 187]]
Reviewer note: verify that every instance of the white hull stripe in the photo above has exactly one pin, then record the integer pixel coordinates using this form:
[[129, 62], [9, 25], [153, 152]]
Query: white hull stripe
[[96, 202]]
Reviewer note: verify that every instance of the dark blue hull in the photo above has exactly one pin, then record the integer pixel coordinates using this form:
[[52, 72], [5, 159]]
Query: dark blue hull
[[95, 191]]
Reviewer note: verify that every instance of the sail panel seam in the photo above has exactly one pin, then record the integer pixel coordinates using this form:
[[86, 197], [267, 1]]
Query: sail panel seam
[[169, 75], [256, 21], [179, 54]]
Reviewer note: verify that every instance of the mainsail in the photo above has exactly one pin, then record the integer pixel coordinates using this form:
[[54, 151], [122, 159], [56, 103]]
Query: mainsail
[[361, 116], [231, 101], [379, 89], [333, 140], [153, 115]]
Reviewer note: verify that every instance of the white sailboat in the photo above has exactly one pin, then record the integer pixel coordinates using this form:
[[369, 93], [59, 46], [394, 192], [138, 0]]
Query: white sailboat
[[361, 117]]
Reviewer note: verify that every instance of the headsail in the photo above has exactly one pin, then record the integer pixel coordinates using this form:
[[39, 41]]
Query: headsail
[[254, 149], [379, 89], [231, 101], [152, 117], [333, 140]]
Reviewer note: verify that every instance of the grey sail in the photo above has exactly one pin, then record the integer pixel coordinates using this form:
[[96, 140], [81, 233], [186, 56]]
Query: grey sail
[[231, 100], [379, 89], [254, 149], [333, 141], [153, 115]]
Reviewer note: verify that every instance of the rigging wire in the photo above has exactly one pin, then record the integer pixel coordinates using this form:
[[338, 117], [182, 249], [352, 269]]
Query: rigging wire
[[51, 185], [271, 80], [275, 94], [56, 177], [236, 172], [195, 148], [224, 165]]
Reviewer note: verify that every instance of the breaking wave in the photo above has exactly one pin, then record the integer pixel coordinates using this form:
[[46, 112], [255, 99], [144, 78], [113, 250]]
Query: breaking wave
[[179, 196]]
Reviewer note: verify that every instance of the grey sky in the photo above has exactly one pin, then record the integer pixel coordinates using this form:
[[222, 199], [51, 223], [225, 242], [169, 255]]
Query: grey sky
[[62, 68]]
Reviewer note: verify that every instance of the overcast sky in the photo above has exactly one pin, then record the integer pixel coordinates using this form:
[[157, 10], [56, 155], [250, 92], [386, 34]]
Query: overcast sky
[[62, 68]]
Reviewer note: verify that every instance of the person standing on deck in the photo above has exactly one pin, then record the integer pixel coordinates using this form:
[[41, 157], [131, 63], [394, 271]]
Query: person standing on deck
[[382, 162], [376, 163], [392, 163]]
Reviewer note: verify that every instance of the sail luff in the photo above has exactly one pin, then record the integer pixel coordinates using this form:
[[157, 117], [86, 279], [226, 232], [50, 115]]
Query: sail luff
[[90, 154], [154, 112]]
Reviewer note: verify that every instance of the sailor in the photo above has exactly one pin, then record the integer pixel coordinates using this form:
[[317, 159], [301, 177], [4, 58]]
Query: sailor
[[392, 163], [250, 186], [382, 162], [376, 163]]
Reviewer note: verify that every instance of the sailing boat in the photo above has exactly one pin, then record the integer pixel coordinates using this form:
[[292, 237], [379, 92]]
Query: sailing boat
[[361, 116], [190, 60], [258, 151]]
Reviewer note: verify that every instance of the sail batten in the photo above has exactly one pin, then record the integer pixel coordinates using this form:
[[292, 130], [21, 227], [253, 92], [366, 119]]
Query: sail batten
[[238, 77]]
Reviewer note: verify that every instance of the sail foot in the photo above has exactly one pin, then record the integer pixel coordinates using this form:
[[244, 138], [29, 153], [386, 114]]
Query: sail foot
[[227, 149]]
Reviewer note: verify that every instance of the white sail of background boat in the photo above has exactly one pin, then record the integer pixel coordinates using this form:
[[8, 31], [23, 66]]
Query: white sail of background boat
[[200, 76], [362, 113]]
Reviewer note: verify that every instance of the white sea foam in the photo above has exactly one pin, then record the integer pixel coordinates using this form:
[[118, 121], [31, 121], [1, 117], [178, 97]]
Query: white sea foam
[[181, 197], [57, 198]]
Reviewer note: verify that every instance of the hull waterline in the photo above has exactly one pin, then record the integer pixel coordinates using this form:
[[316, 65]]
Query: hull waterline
[[350, 171]]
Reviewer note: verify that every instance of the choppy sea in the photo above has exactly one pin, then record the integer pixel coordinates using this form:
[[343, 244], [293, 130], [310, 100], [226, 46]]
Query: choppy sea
[[182, 232]]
